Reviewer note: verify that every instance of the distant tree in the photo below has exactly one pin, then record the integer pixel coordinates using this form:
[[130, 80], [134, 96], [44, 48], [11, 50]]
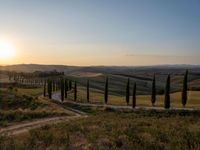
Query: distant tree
[[70, 85], [88, 90], [44, 92], [66, 87], [153, 94], [184, 90], [50, 88], [167, 93], [54, 86], [75, 91], [62, 85], [134, 95], [127, 91], [106, 91]]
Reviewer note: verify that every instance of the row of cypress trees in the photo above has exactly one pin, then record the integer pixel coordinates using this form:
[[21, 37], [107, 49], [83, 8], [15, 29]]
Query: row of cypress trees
[[184, 91], [153, 94], [66, 85]]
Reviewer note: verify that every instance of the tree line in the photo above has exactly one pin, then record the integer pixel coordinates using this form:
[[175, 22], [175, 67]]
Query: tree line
[[65, 85]]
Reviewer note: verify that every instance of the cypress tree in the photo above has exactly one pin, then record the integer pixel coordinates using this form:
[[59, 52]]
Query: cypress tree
[[62, 89], [70, 85], [184, 90], [54, 87], [127, 91], [134, 96], [75, 91], [88, 90], [106, 91], [50, 88], [153, 94], [44, 94], [167, 93], [66, 87]]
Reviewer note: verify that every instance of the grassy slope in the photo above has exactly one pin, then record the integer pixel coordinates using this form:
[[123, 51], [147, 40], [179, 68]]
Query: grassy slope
[[25, 105], [109, 130]]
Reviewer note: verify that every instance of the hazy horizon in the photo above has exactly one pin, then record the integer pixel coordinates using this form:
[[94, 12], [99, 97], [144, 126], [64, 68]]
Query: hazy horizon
[[100, 33], [164, 65]]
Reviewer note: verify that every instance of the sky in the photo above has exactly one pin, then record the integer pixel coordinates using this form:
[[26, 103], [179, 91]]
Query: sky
[[101, 32]]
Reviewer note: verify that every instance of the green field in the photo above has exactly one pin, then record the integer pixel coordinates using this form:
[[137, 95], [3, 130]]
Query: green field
[[97, 96]]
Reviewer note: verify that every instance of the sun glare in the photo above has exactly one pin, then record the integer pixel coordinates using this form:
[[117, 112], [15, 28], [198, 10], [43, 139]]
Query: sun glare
[[7, 50]]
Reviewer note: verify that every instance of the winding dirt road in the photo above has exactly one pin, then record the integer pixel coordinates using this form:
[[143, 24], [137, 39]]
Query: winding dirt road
[[25, 126], [75, 114]]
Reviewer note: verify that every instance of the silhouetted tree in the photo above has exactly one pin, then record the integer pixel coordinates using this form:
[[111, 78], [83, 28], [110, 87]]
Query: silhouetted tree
[[127, 91], [106, 91], [134, 96], [66, 87], [44, 92], [62, 85], [70, 85], [184, 90], [75, 91], [50, 89], [153, 94], [88, 90], [54, 86], [167, 93]]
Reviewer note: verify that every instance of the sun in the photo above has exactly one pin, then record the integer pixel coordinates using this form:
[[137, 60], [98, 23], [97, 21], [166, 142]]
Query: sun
[[7, 50]]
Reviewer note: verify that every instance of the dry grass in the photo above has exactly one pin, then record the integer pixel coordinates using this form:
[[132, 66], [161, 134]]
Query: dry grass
[[108, 130], [18, 106]]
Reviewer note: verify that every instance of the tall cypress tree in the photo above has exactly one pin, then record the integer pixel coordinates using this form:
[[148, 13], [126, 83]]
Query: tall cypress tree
[[50, 88], [134, 96], [62, 89], [75, 91], [184, 90], [44, 92], [153, 94], [66, 87], [106, 91], [54, 87], [70, 85], [167, 93], [127, 91], [88, 90]]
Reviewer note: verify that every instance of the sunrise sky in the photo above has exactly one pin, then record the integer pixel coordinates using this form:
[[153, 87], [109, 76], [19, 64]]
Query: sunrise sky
[[100, 32]]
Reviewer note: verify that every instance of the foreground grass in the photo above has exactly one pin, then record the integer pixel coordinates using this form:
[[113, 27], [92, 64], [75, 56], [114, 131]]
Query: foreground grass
[[17, 107], [114, 130]]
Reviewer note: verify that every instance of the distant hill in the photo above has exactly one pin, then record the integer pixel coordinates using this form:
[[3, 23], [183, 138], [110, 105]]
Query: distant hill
[[103, 69], [118, 76]]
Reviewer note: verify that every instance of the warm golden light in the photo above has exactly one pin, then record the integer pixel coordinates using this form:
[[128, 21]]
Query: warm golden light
[[7, 50]]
